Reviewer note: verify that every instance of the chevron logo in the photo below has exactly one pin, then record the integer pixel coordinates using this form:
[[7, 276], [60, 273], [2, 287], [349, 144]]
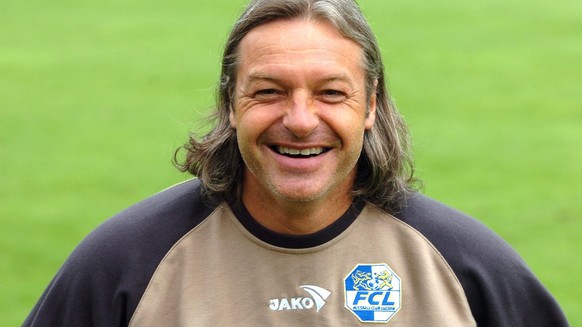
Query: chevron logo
[[316, 299]]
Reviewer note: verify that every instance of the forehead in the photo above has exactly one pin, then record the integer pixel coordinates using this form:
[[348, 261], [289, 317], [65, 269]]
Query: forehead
[[299, 44]]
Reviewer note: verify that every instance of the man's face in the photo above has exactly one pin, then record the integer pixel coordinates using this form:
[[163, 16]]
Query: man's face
[[300, 111]]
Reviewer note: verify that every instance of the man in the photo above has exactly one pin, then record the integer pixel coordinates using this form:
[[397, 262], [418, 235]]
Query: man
[[303, 213]]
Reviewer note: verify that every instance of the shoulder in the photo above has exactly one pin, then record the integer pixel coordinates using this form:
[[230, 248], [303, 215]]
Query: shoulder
[[107, 273], [140, 236], [500, 288], [150, 226], [451, 230], [163, 216]]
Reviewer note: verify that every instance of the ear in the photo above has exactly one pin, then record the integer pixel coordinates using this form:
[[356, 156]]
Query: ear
[[231, 118], [371, 110]]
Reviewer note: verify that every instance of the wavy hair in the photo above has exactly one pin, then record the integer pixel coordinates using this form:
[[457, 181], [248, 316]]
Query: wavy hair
[[385, 168]]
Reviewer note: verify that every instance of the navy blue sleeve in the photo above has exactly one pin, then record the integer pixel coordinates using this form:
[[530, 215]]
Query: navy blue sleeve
[[102, 281], [501, 289]]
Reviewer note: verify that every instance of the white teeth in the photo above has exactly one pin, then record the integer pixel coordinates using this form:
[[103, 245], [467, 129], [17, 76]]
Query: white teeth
[[315, 150], [303, 152]]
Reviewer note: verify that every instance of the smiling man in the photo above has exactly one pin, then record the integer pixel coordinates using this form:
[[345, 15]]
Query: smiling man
[[303, 212], [300, 112]]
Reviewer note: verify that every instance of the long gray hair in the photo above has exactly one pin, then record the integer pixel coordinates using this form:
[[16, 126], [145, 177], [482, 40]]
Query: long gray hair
[[385, 169]]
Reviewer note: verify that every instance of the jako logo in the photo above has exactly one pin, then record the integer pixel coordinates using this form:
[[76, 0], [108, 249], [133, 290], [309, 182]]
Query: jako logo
[[317, 299]]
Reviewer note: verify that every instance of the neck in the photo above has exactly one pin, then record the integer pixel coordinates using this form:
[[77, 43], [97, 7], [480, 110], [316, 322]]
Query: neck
[[296, 217]]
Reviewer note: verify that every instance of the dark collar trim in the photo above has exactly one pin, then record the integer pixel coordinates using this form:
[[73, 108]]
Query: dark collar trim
[[297, 241]]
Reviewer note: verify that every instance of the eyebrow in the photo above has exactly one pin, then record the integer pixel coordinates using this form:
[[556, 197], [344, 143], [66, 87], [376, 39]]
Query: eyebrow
[[261, 76]]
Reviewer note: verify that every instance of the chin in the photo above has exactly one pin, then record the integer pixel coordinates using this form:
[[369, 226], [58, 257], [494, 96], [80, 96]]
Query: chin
[[303, 194]]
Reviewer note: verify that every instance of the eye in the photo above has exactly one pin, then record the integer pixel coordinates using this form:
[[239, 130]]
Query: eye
[[333, 93], [268, 95], [332, 96], [267, 92]]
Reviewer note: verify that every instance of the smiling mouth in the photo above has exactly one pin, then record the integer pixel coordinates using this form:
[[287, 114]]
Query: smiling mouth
[[299, 153]]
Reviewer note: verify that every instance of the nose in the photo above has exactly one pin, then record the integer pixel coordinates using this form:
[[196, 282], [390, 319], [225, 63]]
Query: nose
[[301, 116]]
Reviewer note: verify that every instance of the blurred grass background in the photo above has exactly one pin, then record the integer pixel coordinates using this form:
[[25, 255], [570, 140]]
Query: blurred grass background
[[96, 96]]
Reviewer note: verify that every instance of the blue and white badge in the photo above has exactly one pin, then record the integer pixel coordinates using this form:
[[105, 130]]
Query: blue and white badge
[[373, 292]]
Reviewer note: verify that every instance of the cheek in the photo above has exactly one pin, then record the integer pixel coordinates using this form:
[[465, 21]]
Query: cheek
[[250, 124], [352, 138], [349, 127]]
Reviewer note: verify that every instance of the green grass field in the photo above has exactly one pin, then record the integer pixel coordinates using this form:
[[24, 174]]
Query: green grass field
[[96, 96]]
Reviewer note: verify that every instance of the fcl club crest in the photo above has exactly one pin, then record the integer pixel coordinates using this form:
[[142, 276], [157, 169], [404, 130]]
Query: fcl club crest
[[373, 292]]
